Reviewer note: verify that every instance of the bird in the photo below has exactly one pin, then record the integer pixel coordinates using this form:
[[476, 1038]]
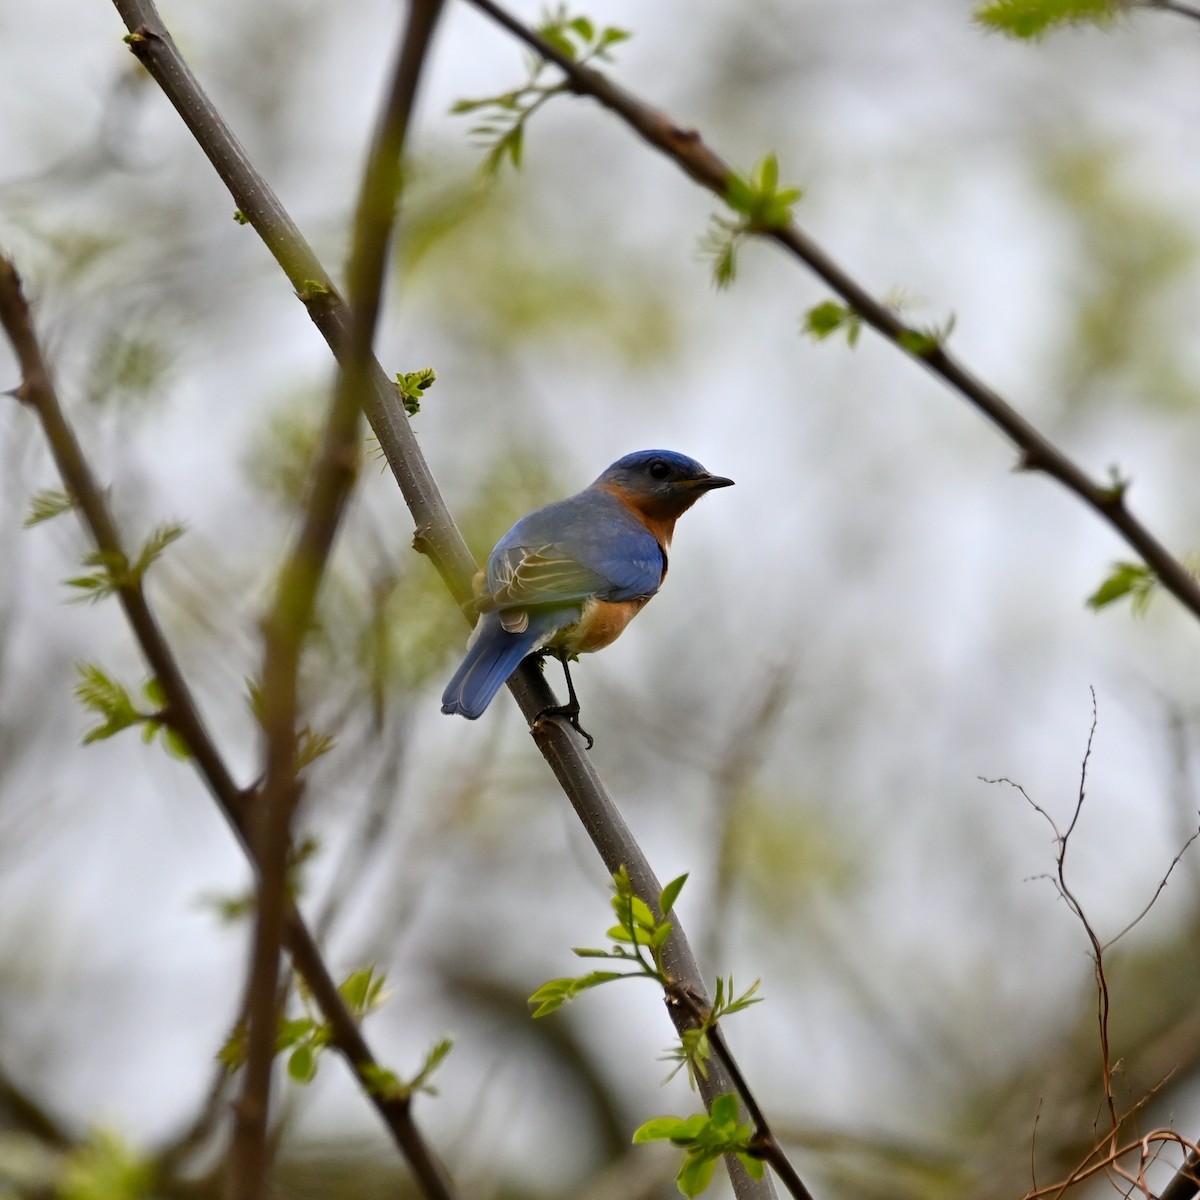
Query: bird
[[566, 579]]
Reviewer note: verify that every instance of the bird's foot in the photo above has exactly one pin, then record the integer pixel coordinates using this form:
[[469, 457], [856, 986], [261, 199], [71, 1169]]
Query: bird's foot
[[571, 712]]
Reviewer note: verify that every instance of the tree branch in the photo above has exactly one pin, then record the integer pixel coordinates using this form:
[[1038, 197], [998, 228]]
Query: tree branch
[[155, 49], [36, 391], [688, 151], [435, 534], [1179, 7], [287, 625]]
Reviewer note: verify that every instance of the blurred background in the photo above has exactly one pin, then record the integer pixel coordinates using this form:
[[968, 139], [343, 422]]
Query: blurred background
[[879, 614]]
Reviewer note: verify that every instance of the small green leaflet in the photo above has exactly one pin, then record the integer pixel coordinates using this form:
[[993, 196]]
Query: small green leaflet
[[1030, 19]]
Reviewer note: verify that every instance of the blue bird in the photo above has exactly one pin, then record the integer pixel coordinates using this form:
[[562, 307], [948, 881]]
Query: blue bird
[[568, 578]]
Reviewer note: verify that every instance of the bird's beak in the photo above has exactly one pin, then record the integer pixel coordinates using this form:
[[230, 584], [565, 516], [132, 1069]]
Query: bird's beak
[[706, 483]]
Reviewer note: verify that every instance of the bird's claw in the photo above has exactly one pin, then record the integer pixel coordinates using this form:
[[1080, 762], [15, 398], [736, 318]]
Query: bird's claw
[[571, 712]]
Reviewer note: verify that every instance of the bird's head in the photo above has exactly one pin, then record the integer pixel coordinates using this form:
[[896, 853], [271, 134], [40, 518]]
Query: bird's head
[[661, 484]]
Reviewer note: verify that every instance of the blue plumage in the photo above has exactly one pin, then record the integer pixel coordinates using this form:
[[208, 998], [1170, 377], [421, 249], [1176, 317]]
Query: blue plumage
[[570, 576]]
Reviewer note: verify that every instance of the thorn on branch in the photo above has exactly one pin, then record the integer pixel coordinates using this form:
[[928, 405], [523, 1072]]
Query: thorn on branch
[[683, 137], [421, 542], [1030, 459]]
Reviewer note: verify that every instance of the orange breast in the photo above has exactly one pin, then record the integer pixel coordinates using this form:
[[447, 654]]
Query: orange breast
[[600, 624]]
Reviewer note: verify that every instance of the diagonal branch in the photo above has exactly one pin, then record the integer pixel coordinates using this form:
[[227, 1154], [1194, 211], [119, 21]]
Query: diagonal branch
[[36, 391], [1179, 7], [691, 154], [435, 534], [287, 625], [155, 49]]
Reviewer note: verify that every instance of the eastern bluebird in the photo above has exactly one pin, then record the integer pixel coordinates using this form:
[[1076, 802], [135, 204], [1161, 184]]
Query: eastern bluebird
[[569, 577]]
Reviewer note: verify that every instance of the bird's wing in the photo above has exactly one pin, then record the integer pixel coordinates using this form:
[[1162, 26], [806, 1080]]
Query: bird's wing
[[520, 576], [588, 545]]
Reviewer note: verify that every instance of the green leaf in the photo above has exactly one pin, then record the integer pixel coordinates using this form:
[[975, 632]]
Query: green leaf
[[413, 385], [660, 935], [363, 990], [240, 217], [112, 573], [705, 1137], [1032, 18], [105, 1168], [311, 745], [923, 342], [176, 746], [292, 1031], [724, 261], [680, 1130], [157, 542], [611, 36], [759, 199], [559, 40], [233, 1053], [641, 913], [108, 699], [433, 1060], [621, 933], [302, 1063], [669, 894], [1135, 580], [696, 1173], [755, 1167], [48, 504], [917, 342], [553, 994], [744, 1001], [739, 195], [382, 1082], [766, 174], [724, 1110], [657, 1129], [828, 317]]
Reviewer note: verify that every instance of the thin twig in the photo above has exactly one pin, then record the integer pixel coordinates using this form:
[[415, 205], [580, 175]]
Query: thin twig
[[37, 392], [1179, 7], [435, 534], [688, 151], [287, 625], [1108, 1149], [1162, 883], [1059, 879]]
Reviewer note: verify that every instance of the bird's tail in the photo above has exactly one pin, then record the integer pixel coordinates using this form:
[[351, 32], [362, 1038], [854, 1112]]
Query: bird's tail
[[491, 658]]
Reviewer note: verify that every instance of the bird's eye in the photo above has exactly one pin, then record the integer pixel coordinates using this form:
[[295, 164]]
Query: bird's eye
[[659, 469]]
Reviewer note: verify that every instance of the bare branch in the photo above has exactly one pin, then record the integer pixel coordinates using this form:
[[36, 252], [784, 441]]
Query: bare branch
[[688, 151], [37, 392], [1062, 839], [1162, 883], [287, 625], [1108, 1152], [436, 534], [1179, 7]]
